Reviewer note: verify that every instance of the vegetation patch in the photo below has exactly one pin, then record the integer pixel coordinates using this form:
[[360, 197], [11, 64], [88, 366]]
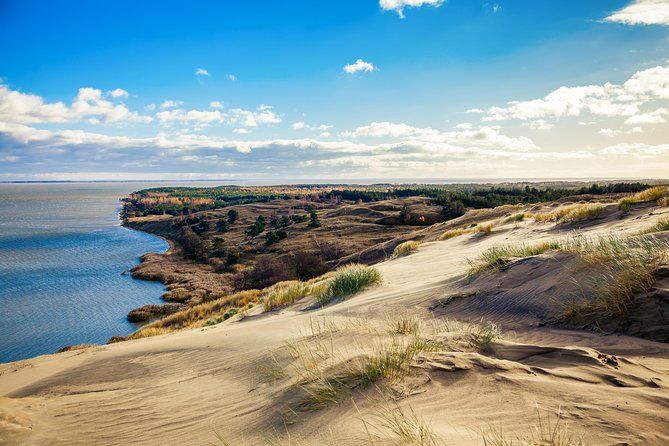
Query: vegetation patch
[[571, 214], [498, 256], [198, 314], [405, 248], [348, 280], [660, 226], [285, 293], [454, 233]]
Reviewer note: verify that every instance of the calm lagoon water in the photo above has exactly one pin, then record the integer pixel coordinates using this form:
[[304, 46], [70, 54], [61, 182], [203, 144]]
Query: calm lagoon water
[[62, 255]]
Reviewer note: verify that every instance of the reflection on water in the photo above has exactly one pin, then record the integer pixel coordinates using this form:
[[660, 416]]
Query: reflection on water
[[62, 255]]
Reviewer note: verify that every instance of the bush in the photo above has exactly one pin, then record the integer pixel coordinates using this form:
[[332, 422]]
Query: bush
[[233, 215], [308, 265], [405, 248], [348, 280], [314, 221], [222, 225], [267, 271], [193, 246]]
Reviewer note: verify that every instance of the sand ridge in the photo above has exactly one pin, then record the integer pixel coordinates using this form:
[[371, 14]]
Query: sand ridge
[[237, 379]]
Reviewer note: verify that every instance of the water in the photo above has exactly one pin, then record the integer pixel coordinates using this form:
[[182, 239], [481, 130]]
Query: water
[[62, 255]]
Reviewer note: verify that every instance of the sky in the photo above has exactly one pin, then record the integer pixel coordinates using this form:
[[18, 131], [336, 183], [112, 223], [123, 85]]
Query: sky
[[334, 90]]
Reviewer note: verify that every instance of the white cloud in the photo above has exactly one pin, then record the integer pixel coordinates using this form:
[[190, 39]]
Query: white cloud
[[202, 72], [170, 104], [300, 125], [231, 77], [464, 126], [611, 133], [150, 107], [216, 104], [359, 66], [600, 100], [241, 131], [488, 137], [399, 5], [538, 124], [9, 159], [637, 150], [88, 105], [642, 12], [655, 117], [263, 115], [118, 93], [476, 110]]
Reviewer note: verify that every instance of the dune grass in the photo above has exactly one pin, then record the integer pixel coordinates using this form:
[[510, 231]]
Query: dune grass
[[550, 430], [660, 226], [498, 256], [571, 214], [622, 268], [348, 280], [405, 248], [659, 194], [197, 315], [484, 229], [517, 218], [454, 233], [284, 293]]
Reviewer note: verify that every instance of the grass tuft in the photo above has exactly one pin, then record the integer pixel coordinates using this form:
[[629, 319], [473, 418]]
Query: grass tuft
[[348, 280], [571, 214], [498, 256], [657, 193], [285, 293], [454, 233], [660, 226], [405, 248]]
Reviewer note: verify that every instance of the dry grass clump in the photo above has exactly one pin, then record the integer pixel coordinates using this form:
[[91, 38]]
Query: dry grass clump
[[498, 256], [549, 431], [517, 218], [571, 214], [657, 193], [401, 427], [660, 226], [405, 248], [197, 315], [285, 293], [623, 268], [454, 233], [484, 229], [348, 280]]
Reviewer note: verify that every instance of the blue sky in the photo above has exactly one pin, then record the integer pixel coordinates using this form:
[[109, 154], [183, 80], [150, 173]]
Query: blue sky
[[239, 89]]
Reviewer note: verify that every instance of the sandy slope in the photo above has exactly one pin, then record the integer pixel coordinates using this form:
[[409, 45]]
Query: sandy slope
[[236, 378]]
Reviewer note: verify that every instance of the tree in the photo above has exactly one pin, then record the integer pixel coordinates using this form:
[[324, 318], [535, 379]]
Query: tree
[[202, 227], [233, 215], [219, 248], [271, 237], [257, 227], [314, 221], [193, 246], [222, 225]]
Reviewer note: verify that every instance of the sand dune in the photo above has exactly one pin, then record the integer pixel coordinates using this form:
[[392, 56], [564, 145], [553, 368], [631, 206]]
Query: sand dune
[[235, 383]]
